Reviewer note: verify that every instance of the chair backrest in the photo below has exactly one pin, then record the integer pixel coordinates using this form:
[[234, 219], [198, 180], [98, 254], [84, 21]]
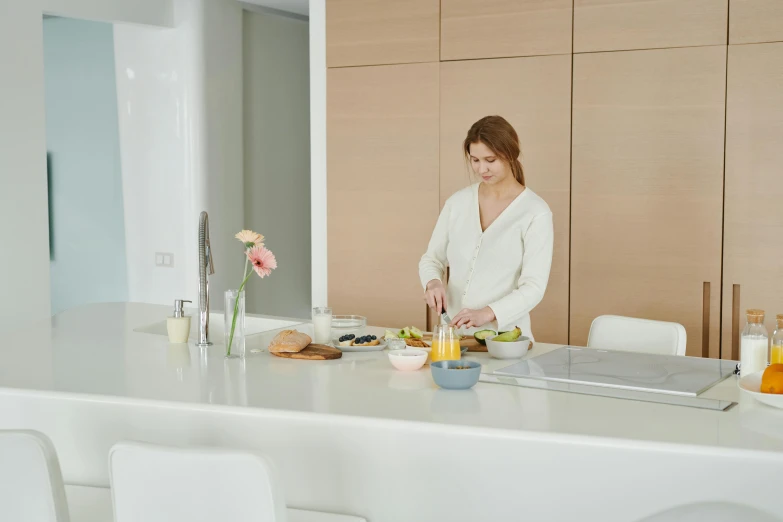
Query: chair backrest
[[162, 484], [613, 332], [31, 484]]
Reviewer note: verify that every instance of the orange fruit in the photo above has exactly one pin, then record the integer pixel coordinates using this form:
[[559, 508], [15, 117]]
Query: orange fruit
[[772, 379]]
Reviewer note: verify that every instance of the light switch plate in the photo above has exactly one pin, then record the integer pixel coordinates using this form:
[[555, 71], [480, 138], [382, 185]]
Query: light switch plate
[[164, 259]]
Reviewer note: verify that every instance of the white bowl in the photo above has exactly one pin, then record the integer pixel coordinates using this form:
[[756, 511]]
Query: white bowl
[[509, 349], [751, 384], [408, 360]]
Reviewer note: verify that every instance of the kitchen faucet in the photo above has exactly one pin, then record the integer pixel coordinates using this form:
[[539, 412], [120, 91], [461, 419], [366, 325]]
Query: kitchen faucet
[[204, 263]]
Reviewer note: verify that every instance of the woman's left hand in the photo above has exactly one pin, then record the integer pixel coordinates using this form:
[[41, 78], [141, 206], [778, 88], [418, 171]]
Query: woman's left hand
[[473, 318]]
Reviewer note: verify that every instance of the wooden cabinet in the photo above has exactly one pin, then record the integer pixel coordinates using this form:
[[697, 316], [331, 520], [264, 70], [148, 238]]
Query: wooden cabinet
[[499, 28], [647, 189], [753, 21], [753, 226], [382, 139], [371, 32], [535, 97], [613, 25]]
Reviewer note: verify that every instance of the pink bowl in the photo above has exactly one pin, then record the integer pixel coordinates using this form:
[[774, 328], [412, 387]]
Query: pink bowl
[[408, 360]]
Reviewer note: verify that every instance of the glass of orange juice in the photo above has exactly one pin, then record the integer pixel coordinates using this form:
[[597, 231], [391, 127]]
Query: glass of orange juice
[[445, 344]]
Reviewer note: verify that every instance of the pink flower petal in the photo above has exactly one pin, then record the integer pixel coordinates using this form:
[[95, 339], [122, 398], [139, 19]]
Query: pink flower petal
[[263, 260]]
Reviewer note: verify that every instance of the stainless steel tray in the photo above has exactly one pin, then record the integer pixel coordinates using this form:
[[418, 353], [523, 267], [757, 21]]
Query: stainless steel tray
[[664, 374]]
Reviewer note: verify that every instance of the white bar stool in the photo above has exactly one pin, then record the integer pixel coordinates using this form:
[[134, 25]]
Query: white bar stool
[[614, 332], [166, 484], [31, 484]]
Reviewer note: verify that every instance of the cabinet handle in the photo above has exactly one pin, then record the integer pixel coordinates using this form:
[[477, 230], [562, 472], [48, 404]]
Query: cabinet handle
[[705, 320], [735, 320]]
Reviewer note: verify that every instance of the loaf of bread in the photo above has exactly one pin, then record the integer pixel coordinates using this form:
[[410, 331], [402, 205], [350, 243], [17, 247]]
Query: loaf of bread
[[289, 341]]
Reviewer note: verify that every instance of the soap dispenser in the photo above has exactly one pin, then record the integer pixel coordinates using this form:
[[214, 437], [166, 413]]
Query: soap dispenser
[[178, 326]]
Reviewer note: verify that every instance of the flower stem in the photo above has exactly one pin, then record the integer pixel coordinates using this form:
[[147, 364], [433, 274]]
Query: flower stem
[[236, 309]]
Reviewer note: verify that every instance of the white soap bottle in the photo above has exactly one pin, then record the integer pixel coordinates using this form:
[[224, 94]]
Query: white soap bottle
[[178, 325]]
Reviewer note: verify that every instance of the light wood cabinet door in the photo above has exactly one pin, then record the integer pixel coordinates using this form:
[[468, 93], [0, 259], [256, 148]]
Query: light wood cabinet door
[[504, 28], [382, 188], [616, 25], [373, 32], [534, 95], [753, 21], [753, 227], [647, 189]]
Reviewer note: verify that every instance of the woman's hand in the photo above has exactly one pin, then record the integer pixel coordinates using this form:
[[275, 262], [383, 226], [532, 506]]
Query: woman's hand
[[473, 318], [435, 295]]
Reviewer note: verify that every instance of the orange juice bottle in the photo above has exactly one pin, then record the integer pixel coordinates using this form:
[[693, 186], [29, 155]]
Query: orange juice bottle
[[445, 344], [776, 348]]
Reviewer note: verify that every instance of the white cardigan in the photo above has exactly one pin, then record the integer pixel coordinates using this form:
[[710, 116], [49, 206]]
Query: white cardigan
[[505, 267]]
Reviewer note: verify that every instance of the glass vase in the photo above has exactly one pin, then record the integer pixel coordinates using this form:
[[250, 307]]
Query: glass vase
[[234, 321]]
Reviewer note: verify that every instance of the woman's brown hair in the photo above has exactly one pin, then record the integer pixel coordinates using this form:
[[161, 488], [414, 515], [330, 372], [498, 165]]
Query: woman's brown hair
[[501, 138]]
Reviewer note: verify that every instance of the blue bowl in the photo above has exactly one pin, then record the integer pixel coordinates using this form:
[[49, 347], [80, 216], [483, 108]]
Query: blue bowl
[[445, 374]]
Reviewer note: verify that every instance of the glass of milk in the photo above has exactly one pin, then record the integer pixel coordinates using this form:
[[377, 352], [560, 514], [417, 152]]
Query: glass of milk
[[754, 344], [322, 325]]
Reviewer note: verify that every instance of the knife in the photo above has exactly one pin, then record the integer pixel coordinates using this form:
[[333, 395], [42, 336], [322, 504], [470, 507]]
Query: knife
[[445, 317]]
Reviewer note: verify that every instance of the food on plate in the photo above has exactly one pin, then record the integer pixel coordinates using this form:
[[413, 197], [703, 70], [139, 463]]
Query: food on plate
[[481, 336], [416, 343], [507, 337], [367, 340], [289, 341], [346, 340], [415, 332], [772, 379], [405, 333], [391, 334]]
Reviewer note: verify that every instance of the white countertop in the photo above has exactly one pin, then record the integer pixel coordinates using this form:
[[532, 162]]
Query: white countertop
[[94, 351]]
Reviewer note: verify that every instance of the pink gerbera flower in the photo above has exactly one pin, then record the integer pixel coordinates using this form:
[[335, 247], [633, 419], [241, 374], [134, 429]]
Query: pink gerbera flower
[[263, 260]]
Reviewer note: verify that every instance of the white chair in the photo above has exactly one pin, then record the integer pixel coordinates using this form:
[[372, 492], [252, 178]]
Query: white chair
[[613, 332], [31, 484], [164, 484]]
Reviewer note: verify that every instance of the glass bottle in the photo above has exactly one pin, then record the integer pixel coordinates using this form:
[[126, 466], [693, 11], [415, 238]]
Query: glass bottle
[[754, 343], [776, 350], [445, 344]]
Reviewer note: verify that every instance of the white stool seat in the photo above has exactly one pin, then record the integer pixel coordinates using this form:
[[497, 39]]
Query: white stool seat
[[166, 484], [31, 484], [614, 332]]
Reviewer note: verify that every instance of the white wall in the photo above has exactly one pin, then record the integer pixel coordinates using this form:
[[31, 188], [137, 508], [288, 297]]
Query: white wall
[[318, 151], [24, 259], [180, 102], [277, 158], [24, 227]]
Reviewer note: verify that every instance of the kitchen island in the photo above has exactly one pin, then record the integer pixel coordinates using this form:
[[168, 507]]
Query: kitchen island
[[356, 436]]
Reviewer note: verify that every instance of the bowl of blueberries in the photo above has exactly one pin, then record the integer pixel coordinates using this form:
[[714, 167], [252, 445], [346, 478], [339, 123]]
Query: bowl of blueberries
[[362, 343]]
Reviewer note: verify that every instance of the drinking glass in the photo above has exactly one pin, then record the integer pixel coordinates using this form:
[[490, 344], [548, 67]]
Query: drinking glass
[[322, 325], [445, 344]]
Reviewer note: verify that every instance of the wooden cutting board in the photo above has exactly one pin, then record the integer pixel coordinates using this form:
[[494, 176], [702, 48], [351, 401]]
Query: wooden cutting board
[[313, 352]]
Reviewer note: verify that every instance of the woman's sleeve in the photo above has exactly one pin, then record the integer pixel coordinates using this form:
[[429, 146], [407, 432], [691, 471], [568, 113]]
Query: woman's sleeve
[[434, 262], [536, 264]]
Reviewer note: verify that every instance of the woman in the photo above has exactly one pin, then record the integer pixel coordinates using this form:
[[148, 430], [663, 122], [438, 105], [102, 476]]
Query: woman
[[495, 236]]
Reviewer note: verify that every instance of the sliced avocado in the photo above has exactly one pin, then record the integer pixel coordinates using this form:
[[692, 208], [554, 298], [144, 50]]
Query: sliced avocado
[[481, 336], [416, 333], [513, 335], [405, 333]]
